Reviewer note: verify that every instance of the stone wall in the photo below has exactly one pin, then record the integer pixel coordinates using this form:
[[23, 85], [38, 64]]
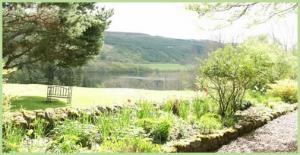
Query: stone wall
[[251, 119], [25, 118]]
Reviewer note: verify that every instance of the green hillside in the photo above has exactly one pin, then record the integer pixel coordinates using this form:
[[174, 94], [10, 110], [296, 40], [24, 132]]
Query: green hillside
[[127, 52], [143, 48]]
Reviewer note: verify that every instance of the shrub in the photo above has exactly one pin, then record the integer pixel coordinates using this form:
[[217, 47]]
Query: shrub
[[200, 106], [146, 123], [65, 144], [12, 137], [286, 90], [129, 144], [210, 122], [229, 72], [158, 129], [72, 134]]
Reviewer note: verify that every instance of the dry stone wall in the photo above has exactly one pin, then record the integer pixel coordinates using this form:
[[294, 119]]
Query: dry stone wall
[[25, 118]]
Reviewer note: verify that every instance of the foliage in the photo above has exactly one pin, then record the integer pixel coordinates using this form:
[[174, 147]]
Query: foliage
[[65, 144], [245, 105], [129, 144], [40, 126], [71, 135], [287, 90], [229, 72], [158, 129], [269, 58], [116, 125], [106, 125], [229, 121], [8, 101], [256, 97], [66, 34], [180, 108], [200, 106], [236, 11], [6, 73], [210, 122], [146, 109], [120, 55], [12, 137]]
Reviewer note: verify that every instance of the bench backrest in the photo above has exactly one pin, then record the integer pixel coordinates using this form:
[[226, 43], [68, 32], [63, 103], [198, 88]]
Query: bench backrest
[[59, 91]]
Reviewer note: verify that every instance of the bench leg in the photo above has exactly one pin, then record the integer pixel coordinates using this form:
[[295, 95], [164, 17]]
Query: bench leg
[[69, 100]]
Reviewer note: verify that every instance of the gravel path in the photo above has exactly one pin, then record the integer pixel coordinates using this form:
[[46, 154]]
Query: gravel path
[[279, 135]]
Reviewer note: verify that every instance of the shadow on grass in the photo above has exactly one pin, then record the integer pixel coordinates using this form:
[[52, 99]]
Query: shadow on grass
[[35, 103]]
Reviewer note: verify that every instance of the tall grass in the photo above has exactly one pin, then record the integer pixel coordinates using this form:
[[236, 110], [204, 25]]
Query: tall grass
[[184, 109], [12, 137], [112, 125], [180, 108], [210, 122], [106, 125], [40, 127], [203, 105], [146, 109]]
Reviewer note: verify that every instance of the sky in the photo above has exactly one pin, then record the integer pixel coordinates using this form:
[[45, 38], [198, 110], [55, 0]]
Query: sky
[[174, 21]]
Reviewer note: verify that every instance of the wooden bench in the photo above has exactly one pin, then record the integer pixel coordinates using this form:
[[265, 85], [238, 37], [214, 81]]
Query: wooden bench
[[56, 91]]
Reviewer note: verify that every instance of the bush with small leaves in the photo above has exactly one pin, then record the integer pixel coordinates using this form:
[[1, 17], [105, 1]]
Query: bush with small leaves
[[158, 129], [285, 89], [67, 137]]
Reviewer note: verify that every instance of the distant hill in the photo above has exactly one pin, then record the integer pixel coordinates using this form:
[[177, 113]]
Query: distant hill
[[143, 48]]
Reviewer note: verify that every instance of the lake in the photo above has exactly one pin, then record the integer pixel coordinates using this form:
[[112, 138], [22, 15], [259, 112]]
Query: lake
[[179, 80]]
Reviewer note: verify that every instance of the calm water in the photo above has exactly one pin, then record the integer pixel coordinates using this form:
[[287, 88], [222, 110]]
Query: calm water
[[157, 80]]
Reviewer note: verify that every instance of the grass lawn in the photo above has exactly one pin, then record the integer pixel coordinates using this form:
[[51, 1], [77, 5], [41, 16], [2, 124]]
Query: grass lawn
[[32, 96], [167, 67], [35, 103]]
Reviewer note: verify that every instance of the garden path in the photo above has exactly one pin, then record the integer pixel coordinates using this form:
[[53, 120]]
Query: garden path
[[279, 135]]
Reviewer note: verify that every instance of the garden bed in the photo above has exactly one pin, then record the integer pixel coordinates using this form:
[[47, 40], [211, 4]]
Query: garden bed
[[177, 126]]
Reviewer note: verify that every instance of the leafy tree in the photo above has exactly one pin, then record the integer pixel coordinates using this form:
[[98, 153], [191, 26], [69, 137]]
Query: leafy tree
[[65, 34], [230, 12], [279, 63], [229, 72]]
